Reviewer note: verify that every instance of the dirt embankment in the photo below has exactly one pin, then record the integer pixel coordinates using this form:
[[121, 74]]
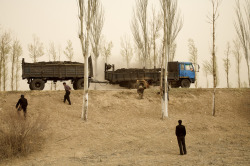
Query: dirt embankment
[[123, 130]]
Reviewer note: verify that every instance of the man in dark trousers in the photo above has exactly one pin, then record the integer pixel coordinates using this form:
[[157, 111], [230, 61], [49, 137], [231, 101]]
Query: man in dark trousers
[[67, 90], [22, 103], [180, 132]]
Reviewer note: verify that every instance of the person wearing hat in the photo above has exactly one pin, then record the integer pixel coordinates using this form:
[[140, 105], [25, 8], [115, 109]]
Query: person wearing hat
[[22, 105], [67, 90], [180, 132]]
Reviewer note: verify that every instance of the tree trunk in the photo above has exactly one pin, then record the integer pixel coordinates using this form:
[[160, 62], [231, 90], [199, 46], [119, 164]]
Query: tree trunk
[[238, 72], [214, 65], [248, 74], [161, 83], [85, 51], [12, 70], [96, 59], [85, 94], [166, 81], [227, 73], [214, 102]]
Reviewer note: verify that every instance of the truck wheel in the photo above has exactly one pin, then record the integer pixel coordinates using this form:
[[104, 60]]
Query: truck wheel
[[37, 84], [80, 83], [132, 85], [185, 83], [30, 87], [74, 86]]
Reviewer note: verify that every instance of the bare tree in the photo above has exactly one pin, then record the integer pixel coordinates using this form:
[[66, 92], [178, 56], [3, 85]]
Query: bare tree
[[242, 27], [193, 52], [15, 54], [84, 36], [212, 20], [69, 52], [96, 31], [208, 69], [138, 54], [172, 52], [36, 49], [227, 63], [52, 53], [172, 24], [155, 25], [139, 28], [59, 48], [19, 52], [126, 49], [5, 48], [106, 50], [238, 57]]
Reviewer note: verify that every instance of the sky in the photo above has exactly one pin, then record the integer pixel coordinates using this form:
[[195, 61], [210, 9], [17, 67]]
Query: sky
[[57, 21]]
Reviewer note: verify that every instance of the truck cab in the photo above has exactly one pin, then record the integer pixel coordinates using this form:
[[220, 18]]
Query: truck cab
[[181, 74]]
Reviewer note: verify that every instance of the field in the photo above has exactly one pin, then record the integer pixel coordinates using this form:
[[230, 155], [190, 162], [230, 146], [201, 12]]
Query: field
[[123, 130]]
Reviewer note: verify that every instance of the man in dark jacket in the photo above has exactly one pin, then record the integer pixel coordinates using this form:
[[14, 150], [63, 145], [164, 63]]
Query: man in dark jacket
[[22, 103], [67, 90], [180, 132]]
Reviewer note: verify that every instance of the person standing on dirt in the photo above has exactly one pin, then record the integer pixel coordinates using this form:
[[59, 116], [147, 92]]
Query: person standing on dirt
[[67, 93], [22, 105], [140, 91], [180, 132]]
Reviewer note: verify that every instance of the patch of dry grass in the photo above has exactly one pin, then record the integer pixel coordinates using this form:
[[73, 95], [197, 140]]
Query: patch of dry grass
[[20, 136]]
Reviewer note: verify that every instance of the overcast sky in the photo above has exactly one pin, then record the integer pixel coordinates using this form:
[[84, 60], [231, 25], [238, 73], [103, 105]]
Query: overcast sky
[[56, 21]]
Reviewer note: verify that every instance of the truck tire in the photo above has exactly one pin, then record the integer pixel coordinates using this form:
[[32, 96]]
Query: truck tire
[[74, 86], [185, 83], [80, 83], [30, 87], [132, 85], [37, 84]]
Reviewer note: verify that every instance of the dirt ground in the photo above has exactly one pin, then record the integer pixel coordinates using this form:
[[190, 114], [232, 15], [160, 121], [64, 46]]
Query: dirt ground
[[122, 130]]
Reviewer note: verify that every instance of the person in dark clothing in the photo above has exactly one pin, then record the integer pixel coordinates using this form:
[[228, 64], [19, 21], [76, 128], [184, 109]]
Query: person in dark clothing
[[180, 132], [67, 90], [140, 91], [22, 103]]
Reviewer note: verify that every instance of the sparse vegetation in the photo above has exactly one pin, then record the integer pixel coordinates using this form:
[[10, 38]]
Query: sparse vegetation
[[20, 136]]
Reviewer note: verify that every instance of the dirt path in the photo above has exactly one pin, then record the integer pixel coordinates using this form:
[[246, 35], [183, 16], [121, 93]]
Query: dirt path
[[123, 130]]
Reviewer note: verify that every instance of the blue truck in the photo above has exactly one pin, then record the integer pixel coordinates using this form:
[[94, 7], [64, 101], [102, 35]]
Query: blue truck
[[179, 74]]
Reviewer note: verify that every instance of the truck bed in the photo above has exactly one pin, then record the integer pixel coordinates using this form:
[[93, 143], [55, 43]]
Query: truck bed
[[122, 75], [54, 70]]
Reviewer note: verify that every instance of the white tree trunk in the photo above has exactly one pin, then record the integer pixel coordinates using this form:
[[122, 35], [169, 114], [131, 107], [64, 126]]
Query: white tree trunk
[[166, 82], [96, 59], [85, 92]]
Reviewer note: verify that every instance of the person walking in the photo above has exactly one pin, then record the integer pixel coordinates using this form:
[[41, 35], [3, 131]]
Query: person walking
[[180, 132], [67, 93], [140, 91], [22, 105]]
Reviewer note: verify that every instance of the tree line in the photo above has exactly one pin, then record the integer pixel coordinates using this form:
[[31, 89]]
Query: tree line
[[148, 44]]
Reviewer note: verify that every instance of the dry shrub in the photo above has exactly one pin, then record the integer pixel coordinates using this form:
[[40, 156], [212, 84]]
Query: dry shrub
[[20, 136]]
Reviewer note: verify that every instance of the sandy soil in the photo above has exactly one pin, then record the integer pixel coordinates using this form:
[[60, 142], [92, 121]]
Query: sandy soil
[[123, 130]]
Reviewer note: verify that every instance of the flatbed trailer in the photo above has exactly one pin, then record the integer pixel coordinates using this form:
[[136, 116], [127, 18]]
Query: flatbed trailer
[[39, 73]]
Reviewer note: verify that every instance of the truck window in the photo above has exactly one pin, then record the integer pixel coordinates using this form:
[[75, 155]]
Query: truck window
[[189, 67], [182, 66]]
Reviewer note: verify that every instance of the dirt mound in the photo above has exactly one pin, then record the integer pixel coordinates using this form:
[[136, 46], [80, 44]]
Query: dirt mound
[[123, 130]]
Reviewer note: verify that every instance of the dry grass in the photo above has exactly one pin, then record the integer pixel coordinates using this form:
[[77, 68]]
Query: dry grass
[[123, 130], [20, 136]]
